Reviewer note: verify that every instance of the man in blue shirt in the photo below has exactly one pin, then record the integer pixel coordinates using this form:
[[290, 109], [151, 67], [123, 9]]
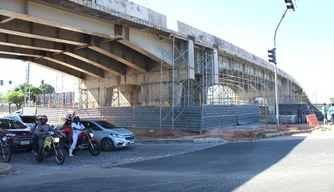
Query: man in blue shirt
[[299, 114], [324, 111]]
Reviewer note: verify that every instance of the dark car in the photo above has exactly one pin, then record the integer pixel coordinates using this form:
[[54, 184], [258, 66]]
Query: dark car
[[22, 138], [26, 119]]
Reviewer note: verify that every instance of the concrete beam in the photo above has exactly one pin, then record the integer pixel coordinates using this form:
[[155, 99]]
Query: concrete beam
[[54, 67], [72, 38], [58, 68], [30, 47], [18, 54], [139, 49], [85, 68], [56, 40], [77, 65], [29, 35], [7, 20], [69, 66], [84, 59], [46, 15], [117, 58]]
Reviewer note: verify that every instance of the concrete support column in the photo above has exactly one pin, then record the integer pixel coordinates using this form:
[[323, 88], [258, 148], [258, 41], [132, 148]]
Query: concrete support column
[[191, 58], [215, 64], [129, 95]]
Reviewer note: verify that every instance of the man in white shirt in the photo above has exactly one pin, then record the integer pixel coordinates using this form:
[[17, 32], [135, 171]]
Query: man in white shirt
[[77, 127], [331, 111]]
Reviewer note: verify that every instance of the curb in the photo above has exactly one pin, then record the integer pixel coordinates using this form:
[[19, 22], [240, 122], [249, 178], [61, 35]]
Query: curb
[[5, 168], [282, 133], [179, 141]]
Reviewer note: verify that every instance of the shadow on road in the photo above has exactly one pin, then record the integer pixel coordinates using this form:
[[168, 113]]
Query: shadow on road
[[240, 160]]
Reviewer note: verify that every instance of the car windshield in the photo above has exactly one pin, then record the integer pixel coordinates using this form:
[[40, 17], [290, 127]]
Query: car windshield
[[16, 125], [10, 124], [28, 119], [106, 124]]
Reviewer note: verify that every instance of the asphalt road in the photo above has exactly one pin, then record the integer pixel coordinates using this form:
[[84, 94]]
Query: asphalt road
[[297, 163]]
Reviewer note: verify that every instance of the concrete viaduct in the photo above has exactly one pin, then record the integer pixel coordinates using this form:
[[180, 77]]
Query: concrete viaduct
[[124, 55]]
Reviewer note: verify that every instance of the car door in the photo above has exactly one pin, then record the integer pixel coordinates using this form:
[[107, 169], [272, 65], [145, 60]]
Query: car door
[[4, 125], [98, 133]]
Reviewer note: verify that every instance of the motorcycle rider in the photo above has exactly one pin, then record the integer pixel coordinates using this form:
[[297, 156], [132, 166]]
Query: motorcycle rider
[[77, 126], [42, 131], [34, 132], [67, 129]]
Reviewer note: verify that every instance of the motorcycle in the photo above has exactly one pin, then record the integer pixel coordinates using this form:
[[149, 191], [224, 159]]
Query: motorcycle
[[6, 153], [53, 148], [85, 141]]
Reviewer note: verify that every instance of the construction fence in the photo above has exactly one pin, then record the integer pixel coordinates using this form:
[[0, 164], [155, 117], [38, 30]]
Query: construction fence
[[194, 119]]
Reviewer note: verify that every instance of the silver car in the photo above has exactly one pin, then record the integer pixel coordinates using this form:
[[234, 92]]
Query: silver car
[[109, 135]]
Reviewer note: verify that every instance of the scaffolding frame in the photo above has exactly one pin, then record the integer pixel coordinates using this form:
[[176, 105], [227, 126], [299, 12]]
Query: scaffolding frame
[[179, 87], [173, 86]]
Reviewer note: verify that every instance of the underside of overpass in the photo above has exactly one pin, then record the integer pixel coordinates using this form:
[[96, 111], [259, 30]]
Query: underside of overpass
[[129, 62]]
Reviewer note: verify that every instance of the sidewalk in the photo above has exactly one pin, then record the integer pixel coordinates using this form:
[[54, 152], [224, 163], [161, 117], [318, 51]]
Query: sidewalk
[[5, 168], [249, 132]]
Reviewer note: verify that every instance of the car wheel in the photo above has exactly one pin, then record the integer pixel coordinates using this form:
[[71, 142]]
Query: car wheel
[[107, 144]]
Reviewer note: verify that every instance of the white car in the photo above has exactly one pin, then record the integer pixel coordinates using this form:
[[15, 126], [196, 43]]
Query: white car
[[109, 135]]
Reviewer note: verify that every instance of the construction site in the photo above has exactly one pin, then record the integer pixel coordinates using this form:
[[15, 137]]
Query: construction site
[[143, 75]]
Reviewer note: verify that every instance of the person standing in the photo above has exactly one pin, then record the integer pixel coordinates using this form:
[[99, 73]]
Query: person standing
[[324, 111], [299, 114], [77, 127], [34, 131], [67, 129], [331, 111], [307, 111]]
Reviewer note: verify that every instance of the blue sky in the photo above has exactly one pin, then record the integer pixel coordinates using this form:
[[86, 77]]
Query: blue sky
[[304, 39]]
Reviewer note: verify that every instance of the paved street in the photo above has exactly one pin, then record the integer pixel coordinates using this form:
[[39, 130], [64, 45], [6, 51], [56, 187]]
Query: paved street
[[291, 163]]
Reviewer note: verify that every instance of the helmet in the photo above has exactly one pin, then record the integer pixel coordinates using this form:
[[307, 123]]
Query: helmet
[[38, 117], [76, 118], [43, 119], [68, 117]]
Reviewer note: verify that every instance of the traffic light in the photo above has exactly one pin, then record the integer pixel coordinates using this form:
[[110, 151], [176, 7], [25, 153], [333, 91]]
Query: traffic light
[[10, 82], [42, 82], [272, 55], [1, 82], [290, 5]]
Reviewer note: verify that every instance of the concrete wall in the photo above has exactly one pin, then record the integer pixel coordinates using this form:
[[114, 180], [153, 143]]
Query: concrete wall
[[146, 88]]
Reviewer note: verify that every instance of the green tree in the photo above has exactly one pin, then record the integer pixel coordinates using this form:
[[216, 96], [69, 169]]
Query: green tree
[[46, 88], [30, 89], [2, 97], [16, 97]]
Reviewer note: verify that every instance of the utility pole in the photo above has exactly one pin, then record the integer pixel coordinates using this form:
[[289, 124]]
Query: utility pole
[[272, 55], [27, 83]]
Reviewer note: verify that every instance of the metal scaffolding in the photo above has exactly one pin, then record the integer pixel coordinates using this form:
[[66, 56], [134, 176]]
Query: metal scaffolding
[[172, 79], [177, 88]]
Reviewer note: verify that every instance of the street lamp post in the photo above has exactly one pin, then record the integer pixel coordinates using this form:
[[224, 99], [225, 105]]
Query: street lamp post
[[272, 56]]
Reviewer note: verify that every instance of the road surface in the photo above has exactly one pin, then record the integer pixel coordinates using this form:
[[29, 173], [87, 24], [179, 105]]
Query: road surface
[[293, 163]]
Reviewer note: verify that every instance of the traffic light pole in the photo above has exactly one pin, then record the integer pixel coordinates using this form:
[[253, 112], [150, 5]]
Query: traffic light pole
[[276, 83]]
